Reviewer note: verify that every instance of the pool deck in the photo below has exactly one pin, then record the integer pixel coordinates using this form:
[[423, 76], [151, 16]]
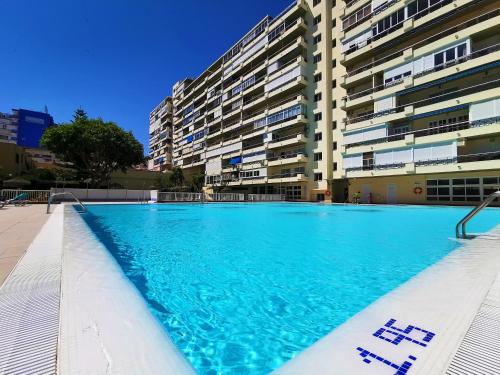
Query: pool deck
[[68, 308], [18, 227]]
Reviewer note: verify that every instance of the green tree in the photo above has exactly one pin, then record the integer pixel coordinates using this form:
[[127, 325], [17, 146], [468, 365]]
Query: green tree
[[80, 114], [94, 147], [177, 177], [197, 182]]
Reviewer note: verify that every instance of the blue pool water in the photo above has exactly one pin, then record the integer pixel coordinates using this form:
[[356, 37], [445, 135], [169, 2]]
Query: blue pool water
[[242, 288]]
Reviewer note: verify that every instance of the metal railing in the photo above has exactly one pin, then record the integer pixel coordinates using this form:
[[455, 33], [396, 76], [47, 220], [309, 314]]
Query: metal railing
[[265, 197], [225, 197], [473, 55], [51, 198], [463, 223], [426, 41], [34, 196], [178, 197], [495, 83], [441, 129]]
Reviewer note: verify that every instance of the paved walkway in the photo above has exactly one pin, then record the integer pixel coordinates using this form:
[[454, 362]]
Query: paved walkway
[[18, 228]]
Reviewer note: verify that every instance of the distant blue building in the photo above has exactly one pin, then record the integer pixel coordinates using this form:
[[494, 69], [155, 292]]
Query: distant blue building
[[30, 127]]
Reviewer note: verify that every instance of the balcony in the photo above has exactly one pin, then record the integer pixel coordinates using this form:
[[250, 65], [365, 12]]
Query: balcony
[[287, 177], [418, 19], [470, 61], [480, 127], [463, 30], [288, 140], [460, 163], [290, 158], [466, 95]]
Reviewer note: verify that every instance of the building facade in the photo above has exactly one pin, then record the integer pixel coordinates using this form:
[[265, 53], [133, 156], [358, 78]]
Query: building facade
[[397, 100], [422, 121], [24, 127], [160, 137]]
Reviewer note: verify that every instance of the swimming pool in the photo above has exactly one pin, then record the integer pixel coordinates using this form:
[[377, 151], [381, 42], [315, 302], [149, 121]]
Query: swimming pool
[[242, 288]]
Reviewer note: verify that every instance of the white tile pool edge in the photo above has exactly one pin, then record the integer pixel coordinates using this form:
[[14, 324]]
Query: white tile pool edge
[[442, 299], [105, 326]]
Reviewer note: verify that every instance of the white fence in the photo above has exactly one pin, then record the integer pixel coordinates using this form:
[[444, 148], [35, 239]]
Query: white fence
[[265, 197], [35, 196], [225, 197], [179, 197], [107, 194], [42, 196]]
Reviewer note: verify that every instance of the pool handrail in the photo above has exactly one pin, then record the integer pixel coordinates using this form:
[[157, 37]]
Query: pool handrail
[[84, 208], [462, 223]]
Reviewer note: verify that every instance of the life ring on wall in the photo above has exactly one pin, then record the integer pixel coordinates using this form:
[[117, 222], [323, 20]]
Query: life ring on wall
[[418, 190], [327, 193]]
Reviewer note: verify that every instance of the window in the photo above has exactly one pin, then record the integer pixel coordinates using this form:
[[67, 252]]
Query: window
[[334, 145], [334, 63], [334, 166], [317, 19], [318, 137], [468, 189], [317, 77], [317, 58], [317, 39], [334, 125], [316, 2], [334, 83], [334, 104], [317, 97], [318, 176], [318, 156], [318, 116]]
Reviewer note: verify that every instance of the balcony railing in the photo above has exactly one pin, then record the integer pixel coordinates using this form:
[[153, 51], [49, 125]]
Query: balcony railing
[[288, 175], [285, 137], [429, 131], [399, 25], [289, 155], [474, 55], [432, 100], [369, 164], [426, 41], [468, 158]]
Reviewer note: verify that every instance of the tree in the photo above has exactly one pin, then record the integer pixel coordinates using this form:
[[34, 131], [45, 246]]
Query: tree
[[80, 114], [198, 180], [177, 177], [94, 147]]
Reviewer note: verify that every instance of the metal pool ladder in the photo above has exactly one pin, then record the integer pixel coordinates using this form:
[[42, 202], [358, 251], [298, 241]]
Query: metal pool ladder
[[462, 223], [84, 208]]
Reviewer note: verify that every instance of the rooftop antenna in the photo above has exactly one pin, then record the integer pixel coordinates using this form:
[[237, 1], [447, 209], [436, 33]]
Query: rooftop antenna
[[46, 109]]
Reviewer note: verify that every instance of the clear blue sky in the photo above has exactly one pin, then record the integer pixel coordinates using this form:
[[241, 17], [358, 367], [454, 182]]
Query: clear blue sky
[[116, 59]]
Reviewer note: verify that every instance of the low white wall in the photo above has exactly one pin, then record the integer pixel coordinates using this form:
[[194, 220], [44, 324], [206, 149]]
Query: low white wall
[[106, 194]]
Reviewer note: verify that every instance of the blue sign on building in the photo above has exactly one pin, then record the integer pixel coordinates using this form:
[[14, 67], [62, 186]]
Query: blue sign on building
[[31, 126]]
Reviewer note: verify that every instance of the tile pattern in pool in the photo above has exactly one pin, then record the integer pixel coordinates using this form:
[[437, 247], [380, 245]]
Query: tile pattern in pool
[[242, 288]]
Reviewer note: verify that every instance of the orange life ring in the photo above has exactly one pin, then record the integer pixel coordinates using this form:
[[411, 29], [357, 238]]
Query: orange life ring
[[418, 190], [327, 193]]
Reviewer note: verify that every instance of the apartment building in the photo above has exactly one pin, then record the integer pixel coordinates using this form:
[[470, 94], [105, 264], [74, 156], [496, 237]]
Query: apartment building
[[259, 119], [160, 136], [8, 128], [398, 100], [422, 104]]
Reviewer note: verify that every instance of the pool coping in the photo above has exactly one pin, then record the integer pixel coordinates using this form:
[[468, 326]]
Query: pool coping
[[418, 326], [81, 328]]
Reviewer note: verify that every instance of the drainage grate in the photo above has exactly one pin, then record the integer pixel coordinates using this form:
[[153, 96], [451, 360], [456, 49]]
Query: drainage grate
[[29, 306], [479, 352]]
